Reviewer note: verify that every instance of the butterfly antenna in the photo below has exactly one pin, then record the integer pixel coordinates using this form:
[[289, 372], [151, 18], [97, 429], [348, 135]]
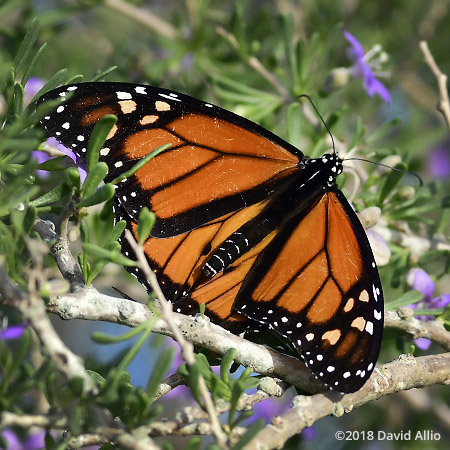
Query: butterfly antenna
[[388, 167], [320, 117]]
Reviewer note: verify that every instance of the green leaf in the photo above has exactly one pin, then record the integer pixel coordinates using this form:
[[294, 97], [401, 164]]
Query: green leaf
[[104, 338], [95, 175], [27, 44], [251, 432], [104, 73], [18, 99], [227, 360], [52, 196], [193, 374], [236, 392], [29, 219], [108, 255], [98, 138], [52, 83], [53, 164], [389, 183], [75, 179], [161, 367], [145, 224], [194, 443], [117, 231], [407, 298], [101, 195], [31, 66]]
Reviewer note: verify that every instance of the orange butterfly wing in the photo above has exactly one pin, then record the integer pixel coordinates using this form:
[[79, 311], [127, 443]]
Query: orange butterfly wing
[[316, 284]]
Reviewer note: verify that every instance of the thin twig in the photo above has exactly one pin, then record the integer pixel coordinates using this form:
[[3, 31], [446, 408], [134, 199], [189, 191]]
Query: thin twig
[[145, 17], [256, 64], [404, 373], [33, 310], [64, 259], [187, 350], [444, 104]]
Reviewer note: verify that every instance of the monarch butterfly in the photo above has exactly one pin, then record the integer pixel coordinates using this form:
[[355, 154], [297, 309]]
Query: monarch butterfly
[[246, 223]]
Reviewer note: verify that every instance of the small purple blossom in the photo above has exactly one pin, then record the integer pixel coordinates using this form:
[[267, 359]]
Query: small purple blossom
[[34, 442], [419, 280], [268, 409], [32, 87], [363, 64], [439, 162], [12, 332]]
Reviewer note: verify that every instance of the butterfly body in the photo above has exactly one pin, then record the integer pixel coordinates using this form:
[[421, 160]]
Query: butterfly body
[[246, 223]]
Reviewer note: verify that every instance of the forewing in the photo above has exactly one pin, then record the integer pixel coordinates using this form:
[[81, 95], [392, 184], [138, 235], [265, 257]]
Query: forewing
[[217, 162]]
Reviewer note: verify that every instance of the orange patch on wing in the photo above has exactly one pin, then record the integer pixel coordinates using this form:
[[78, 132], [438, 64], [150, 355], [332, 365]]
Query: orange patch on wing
[[305, 243], [92, 117], [343, 247], [227, 137], [325, 304], [140, 144], [347, 345], [219, 177]]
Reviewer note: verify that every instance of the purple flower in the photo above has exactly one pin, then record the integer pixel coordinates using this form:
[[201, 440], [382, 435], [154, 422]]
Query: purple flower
[[439, 162], [419, 280], [363, 64], [33, 442], [32, 87], [12, 332], [268, 409], [53, 143]]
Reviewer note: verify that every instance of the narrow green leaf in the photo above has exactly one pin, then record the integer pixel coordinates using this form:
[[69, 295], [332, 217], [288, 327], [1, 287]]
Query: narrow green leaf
[[52, 196], [99, 196], [94, 177], [53, 164], [251, 432], [18, 99], [104, 338], [227, 360], [98, 137], [27, 44], [130, 355], [108, 255], [407, 298], [75, 179], [236, 391], [193, 374], [161, 367], [104, 73], [31, 66], [117, 231], [29, 219], [145, 224], [389, 183], [54, 81]]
